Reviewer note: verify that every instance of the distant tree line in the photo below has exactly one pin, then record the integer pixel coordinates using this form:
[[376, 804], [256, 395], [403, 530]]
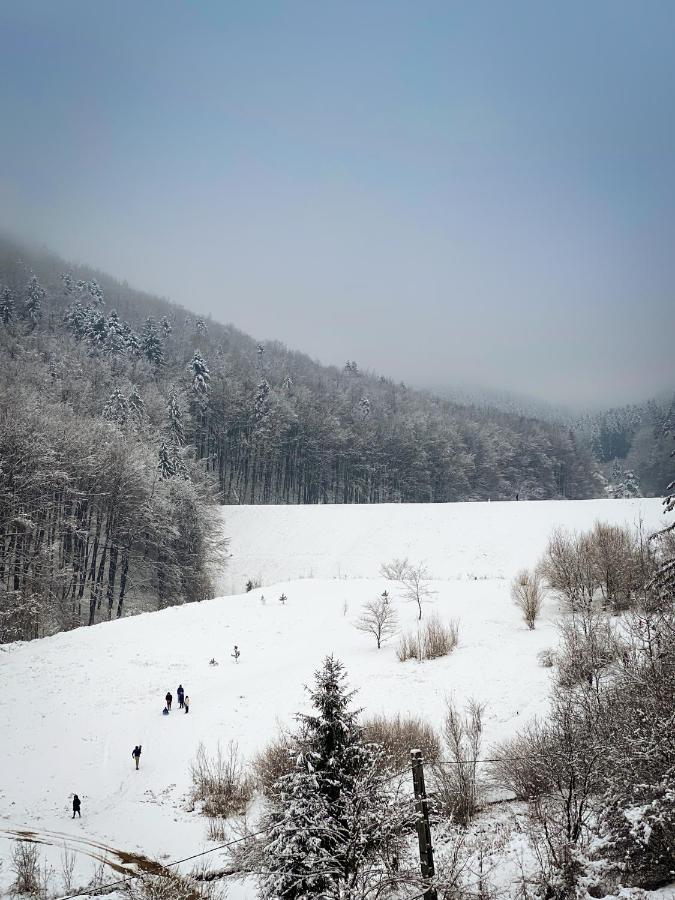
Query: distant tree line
[[124, 418]]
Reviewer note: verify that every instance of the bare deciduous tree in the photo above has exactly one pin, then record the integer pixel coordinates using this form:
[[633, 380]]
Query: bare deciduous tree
[[412, 578], [378, 618]]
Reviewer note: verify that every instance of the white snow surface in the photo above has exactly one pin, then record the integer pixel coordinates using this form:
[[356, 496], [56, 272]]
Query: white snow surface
[[74, 705]]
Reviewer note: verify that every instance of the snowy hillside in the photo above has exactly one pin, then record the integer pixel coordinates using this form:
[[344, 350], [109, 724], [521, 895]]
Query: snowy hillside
[[74, 705], [457, 540]]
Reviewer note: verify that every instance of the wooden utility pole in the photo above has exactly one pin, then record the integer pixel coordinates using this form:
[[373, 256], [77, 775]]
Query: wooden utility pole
[[423, 827]]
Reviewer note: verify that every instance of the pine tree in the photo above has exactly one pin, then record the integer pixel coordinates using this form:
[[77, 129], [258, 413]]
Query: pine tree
[[261, 402], [76, 318], [201, 378], [175, 421], [117, 408], [7, 306], [132, 343], [333, 822], [151, 343], [201, 328], [165, 464], [115, 339], [165, 325], [96, 330], [35, 295]]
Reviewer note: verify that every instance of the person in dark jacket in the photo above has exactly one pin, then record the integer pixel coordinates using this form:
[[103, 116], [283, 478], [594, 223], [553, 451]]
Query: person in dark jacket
[[180, 693], [168, 699], [76, 806], [136, 754]]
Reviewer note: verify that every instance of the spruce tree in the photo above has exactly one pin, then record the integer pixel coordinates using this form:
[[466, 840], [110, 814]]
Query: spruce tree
[[151, 343], [7, 306], [116, 408], [334, 826], [175, 421], [76, 318], [35, 295], [200, 378], [165, 465], [115, 339]]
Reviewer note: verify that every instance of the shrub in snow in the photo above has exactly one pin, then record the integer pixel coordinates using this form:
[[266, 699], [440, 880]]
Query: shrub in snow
[[431, 640], [25, 865], [527, 594], [637, 804], [588, 649], [220, 781], [456, 785], [398, 735], [546, 658], [275, 761], [172, 885], [609, 564]]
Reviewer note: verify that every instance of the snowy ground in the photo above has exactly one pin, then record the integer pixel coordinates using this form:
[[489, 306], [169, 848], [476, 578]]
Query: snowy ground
[[74, 705]]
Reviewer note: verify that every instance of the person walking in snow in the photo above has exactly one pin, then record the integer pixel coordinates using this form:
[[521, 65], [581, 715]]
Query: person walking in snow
[[186, 703], [168, 699], [76, 806], [136, 754], [180, 693]]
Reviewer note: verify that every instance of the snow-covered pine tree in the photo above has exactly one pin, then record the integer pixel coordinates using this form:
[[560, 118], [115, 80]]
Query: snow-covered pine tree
[[93, 291], [334, 827], [165, 465], [132, 343], [7, 306], [165, 325], [68, 284], [200, 378], [96, 330], [35, 295], [201, 328], [261, 402], [115, 338], [175, 427], [76, 319], [116, 408], [622, 483], [151, 343]]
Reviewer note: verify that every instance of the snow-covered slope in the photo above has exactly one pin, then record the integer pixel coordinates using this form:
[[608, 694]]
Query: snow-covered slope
[[457, 540], [73, 706]]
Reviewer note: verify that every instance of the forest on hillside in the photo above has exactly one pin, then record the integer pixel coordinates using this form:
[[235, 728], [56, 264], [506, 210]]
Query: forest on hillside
[[124, 419]]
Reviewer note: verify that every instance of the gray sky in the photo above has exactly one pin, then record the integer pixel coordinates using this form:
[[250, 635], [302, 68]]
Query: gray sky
[[445, 192]]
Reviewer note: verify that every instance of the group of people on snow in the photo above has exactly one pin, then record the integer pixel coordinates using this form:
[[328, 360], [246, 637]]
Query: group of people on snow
[[183, 700]]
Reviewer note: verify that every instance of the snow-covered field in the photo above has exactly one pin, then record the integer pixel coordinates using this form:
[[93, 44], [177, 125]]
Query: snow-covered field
[[74, 705]]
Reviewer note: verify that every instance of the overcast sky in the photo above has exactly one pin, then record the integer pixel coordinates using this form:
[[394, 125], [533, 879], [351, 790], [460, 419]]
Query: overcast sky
[[445, 192]]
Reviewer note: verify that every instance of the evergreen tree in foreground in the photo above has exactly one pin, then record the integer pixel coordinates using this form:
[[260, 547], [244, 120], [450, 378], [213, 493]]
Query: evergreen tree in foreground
[[334, 825]]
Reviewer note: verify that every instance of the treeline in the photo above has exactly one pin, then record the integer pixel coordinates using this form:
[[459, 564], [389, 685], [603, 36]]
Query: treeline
[[123, 418], [103, 510], [276, 427], [630, 441]]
